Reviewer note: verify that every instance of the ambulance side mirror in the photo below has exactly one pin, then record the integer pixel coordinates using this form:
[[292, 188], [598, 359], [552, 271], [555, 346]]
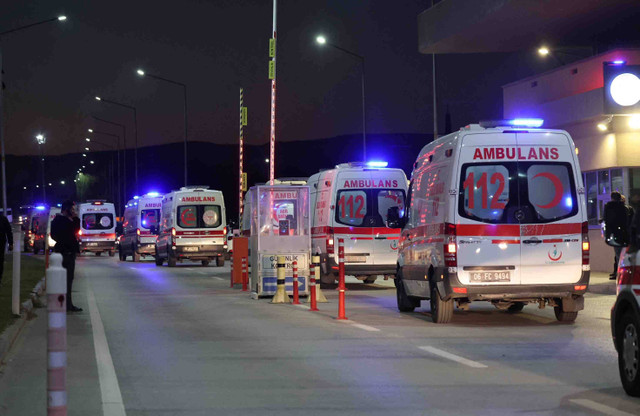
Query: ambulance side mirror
[[394, 220]]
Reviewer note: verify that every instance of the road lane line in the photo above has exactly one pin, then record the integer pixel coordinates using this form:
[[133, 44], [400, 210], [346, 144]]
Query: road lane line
[[598, 407], [112, 404], [453, 357], [217, 278], [302, 306], [362, 326]]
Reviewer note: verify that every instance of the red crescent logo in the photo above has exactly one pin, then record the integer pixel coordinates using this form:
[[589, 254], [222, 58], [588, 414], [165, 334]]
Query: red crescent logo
[[557, 183], [554, 258]]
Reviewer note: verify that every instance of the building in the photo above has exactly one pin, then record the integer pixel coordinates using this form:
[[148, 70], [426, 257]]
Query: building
[[572, 98]]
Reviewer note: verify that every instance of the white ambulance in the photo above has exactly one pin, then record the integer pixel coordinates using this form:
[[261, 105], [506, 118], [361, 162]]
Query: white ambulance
[[38, 228], [140, 227], [192, 227], [351, 202], [53, 211], [97, 227], [496, 212]]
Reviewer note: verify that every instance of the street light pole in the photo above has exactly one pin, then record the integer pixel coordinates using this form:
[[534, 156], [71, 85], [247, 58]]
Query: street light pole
[[119, 180], [2, 147], [135, 129], [323, 41], [142, 73], [41, 141], [124, 153]]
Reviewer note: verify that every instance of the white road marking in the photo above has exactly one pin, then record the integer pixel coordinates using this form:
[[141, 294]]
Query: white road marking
[[590, 404], [302, 306], [112, 404], [453, 357], [362, 326], [217, 278]]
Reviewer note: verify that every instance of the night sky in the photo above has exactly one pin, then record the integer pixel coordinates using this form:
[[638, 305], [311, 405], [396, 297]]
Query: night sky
[[52, 72]]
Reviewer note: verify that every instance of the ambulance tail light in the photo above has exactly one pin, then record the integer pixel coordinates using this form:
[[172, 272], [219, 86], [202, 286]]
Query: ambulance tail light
[[138, 232], [585, 243], [173, 232], [450, 248], [330, 242], [79, 232]]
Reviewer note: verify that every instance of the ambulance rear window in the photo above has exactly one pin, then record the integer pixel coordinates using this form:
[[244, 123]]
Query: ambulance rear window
[[367, 207], [97, 221], [199, 216], [352, 207], [517, 192], [149, 218]]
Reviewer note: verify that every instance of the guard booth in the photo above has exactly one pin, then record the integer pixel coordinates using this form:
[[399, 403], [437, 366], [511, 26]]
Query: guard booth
[[278, 220]]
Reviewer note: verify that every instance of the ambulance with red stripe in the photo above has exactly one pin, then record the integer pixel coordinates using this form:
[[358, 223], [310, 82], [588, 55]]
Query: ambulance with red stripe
[[495, 212], [140, 227], [351, 202], [625, 320], [192, 227], [97, 232]]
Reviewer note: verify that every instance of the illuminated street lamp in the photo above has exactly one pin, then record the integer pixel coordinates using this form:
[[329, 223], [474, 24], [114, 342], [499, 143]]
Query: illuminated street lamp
[[142, 73], [543, 51], [321, 40], [41, 140]]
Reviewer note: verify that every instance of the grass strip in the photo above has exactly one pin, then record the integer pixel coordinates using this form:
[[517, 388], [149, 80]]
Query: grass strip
[[31, 271]]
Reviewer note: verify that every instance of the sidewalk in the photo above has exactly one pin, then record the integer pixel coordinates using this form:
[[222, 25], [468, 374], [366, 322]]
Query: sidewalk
[[23, 380]]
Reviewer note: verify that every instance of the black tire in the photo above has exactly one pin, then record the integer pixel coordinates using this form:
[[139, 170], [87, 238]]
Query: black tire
[[369, 280], [205, 263], [171, 261], [112, 253], [562, 316], [516, 307], [159, 261], [219, 261], [628, 339], [441, 310], [405, 303], [98, 253]]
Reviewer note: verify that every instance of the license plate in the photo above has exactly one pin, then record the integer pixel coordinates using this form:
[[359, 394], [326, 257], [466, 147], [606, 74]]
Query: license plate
[[355, 259], [92, 244], [191, 249], [490, 276]]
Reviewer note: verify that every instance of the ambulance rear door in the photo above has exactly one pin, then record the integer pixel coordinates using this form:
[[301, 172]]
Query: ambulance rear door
[[389, 191], [488, 232], [551, 225], [354, 217]]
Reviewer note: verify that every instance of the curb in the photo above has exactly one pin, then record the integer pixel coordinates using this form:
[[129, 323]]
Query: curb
[[11, 333]]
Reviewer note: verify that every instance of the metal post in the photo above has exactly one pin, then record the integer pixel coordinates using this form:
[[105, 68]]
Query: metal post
[[57, 338], [4, 171], [281, 292], [245, 275], [135, 152], [435, 105], [185, 134], [44, 188], [364, 120], [341, 284], [15, 288], [272, 141], [231, 278], [313, 306], [296, 294], [241, 157]]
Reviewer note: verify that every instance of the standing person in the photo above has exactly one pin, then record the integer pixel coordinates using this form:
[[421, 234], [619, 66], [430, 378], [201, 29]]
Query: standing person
[[6, 234], [616, 223], [64, 228]]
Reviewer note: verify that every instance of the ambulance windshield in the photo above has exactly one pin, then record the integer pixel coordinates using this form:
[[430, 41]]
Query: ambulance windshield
[[149, 218], [367, 207], [97, 221], [517, 192]]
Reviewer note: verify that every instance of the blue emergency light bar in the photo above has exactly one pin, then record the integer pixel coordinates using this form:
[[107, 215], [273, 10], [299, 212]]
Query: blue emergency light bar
[[40, 207], [153, 194], [618, 62], [516, 122], [377, 164], [136, 197]]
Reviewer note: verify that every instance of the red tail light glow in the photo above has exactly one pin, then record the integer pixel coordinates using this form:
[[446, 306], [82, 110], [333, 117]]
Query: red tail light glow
[[173, 232], [138, 231], [585, 243], [450, 247]]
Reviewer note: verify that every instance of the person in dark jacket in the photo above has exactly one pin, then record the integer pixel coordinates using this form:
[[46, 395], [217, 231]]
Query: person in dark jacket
[[64, 230], [617, 218], [6, 235]]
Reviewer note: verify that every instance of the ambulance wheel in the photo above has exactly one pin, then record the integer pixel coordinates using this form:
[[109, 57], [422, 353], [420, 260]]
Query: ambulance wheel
[[370, 279], [516, 307], [405, 303], [562, 316], [171, 261], [98, 253], [627, 335], [219, 261], [159, 261], [135, 257], [205, 263], [112, 253], [441, 310]]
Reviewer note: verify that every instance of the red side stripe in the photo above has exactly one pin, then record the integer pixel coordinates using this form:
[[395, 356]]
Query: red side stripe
[[490, 230], [552, 229], [505, 241]]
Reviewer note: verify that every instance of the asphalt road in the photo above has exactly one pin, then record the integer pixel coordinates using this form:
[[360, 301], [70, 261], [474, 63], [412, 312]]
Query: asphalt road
[[181, 342]]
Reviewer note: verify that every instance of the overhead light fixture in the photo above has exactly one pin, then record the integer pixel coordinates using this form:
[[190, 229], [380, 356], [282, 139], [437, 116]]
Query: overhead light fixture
[[543, 51], [634, 121], [602, 127]]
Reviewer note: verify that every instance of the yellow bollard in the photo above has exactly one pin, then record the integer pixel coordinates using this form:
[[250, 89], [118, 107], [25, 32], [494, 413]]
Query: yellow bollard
[[281, 292], [320, 298]]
